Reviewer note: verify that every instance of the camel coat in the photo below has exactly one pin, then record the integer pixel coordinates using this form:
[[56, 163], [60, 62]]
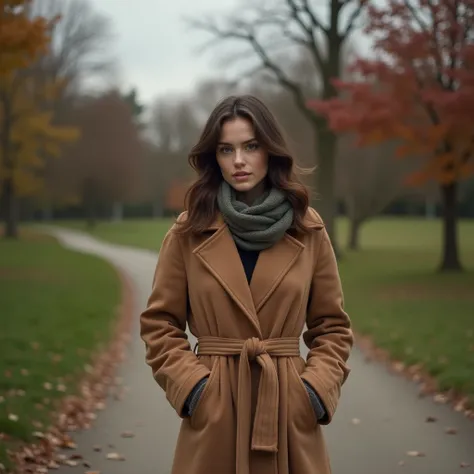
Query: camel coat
[[254, 415]]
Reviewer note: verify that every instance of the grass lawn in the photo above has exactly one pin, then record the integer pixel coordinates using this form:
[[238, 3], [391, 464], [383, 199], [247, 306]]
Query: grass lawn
[[56, 307], [420, 316], [392, 289]]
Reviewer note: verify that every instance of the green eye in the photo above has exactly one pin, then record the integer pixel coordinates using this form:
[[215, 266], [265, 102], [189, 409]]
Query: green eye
[[252, 146]]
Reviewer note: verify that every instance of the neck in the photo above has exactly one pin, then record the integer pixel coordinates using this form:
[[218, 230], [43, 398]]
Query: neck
[[249, 197]]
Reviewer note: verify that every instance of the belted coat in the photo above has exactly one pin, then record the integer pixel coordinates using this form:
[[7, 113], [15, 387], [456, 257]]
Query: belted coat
[[254, 415]]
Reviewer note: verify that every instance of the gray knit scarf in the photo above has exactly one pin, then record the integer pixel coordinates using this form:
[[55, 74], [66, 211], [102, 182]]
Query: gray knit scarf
[[260, 225]]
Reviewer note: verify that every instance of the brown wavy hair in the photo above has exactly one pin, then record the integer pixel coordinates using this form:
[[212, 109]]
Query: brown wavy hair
[[201, 198]]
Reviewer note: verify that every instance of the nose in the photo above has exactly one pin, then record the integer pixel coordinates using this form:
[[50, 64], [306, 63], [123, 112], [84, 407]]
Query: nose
[[239, 158]]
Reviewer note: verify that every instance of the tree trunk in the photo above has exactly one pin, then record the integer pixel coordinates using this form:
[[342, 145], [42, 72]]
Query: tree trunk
[[326, 203], [117, 211], [450, 259], [47, 212], [90, 202], [10, 209], [157, 208], [353, 242]]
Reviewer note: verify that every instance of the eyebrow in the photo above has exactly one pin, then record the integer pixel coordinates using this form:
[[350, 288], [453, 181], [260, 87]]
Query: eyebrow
[[244, 143]]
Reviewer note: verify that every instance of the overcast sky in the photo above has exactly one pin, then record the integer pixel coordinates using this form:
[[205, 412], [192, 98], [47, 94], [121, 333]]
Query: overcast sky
[[155, 48]]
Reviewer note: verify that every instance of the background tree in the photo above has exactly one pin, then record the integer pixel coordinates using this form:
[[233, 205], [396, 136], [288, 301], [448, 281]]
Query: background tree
[[26, 127], [418, 90], [79, 55], [368, 180], [174, 128], [322, 32], [103, 166]]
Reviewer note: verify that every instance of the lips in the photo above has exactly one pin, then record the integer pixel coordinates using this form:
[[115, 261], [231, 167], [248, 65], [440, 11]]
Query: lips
[[240, 174]]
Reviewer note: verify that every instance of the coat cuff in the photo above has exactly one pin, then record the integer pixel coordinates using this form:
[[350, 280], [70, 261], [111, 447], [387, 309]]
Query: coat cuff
[[315, 401], [194, 396], [178, 398], [327, 397]]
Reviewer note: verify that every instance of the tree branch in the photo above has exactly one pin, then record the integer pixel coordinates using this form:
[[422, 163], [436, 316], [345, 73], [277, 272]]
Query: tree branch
[[352, 20], [416, 16], [250, 38], [311, 43]]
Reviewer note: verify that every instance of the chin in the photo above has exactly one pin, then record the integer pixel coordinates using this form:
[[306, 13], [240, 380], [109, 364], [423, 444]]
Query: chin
[[243, 187]]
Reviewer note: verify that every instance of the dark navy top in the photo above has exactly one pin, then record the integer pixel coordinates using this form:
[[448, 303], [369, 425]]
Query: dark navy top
[[249, 260]]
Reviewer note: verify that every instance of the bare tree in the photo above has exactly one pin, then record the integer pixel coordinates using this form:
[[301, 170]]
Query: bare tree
[[270, 29], [368, 180], [80, 52], [81, 43], [104, 165], [174, 128]]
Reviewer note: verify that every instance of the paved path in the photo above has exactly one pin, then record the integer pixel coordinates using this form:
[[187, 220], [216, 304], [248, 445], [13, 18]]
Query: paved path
[[392, 417]]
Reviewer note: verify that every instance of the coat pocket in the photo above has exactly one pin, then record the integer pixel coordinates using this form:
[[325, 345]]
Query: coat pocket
[[199, 414], [302, 411]]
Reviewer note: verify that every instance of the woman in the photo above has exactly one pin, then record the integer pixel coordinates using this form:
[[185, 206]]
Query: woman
[[246, 267]]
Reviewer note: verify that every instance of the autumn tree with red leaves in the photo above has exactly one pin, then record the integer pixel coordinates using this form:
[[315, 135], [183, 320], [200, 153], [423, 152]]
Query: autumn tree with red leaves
[[418, 89]]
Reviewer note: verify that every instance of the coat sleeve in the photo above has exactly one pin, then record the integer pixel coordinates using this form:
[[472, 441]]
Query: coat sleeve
[[162, 327], [329, 336]]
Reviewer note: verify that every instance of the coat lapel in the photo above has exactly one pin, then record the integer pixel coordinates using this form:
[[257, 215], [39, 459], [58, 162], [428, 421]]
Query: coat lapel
[[272, 266], [219, 255]]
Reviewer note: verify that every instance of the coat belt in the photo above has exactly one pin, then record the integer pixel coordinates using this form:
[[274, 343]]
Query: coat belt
[[265, 423]]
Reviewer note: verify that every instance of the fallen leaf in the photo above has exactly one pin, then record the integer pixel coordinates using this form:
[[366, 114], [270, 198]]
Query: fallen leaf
[[115, 457], [71, 463], [440, 398], [416, 454], [69, 444], [53, 465], [127, 434], [451, 431], [355, 421], [13, 417], [464, 465], [38, 434], [24, 372], [431, 419], [86, 464], [76, 456], [97, 448], [61, 387], [100, 406], [47, 386], [398, 366]]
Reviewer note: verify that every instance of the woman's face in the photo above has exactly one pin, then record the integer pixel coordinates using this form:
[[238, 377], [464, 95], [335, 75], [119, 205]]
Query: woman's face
[[243, 162]]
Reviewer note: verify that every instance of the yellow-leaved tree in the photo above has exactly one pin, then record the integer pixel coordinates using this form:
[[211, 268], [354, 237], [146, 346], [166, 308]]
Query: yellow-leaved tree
[[27, 130]]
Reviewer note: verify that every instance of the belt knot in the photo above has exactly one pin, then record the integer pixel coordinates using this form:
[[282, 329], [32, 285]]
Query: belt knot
[[254, 347]]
